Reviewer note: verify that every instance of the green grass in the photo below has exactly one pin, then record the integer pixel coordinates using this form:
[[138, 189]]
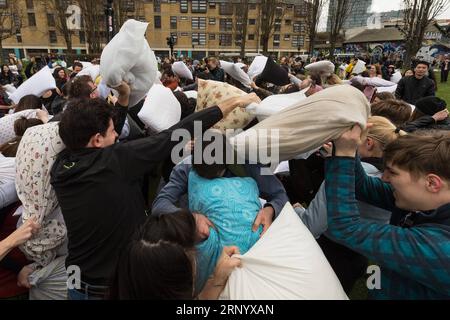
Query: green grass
[[443, 91]]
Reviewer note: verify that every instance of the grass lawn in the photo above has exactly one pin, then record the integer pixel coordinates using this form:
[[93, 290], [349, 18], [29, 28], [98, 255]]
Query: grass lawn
[[443, 91]]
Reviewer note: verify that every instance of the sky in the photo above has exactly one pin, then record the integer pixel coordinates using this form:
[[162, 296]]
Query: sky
[[387, 5], [381, 6]]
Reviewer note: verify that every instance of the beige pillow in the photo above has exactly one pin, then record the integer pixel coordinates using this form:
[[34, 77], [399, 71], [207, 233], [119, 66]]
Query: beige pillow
[[211, 93]]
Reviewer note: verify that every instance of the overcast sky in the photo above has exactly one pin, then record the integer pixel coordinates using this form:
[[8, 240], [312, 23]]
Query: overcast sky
[[380, 6]]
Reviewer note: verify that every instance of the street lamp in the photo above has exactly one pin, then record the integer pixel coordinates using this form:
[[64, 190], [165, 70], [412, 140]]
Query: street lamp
[[170, 43], [109, 14]]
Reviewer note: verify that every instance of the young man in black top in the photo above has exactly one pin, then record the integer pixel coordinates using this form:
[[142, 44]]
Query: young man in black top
[[411, 89], [98, 184]]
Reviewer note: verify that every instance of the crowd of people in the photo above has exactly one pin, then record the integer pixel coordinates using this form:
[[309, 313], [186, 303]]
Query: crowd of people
[[86, 181]]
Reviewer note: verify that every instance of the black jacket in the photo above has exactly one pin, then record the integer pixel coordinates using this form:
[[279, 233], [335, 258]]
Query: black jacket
[[426, 122], [99, 192], [411, 89]]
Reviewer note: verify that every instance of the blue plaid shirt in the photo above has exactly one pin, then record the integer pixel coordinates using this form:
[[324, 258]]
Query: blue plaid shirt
[[414, 258]]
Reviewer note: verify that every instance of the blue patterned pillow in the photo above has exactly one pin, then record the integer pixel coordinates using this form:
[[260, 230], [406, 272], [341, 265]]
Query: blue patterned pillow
[[231, 204]]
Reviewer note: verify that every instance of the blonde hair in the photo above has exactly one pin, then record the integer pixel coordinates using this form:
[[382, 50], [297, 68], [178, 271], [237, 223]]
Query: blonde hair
[[383, 130], [333, 79]]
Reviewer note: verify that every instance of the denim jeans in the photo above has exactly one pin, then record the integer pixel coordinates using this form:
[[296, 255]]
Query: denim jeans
[[88, 292]]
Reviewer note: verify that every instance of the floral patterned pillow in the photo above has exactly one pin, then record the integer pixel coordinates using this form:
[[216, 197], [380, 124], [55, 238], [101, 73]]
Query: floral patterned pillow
[[211, 93], [37, 152]]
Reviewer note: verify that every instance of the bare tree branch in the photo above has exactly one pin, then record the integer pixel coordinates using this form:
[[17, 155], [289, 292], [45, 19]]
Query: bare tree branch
[[418, 15]]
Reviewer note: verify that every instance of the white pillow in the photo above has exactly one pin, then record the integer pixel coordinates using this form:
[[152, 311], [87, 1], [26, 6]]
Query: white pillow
[[323, 66], [191, 94], [359, 67], [9, 88], [390, 89], [285, 264], [86, 64], [396, 77], [236, 73], [181, 70], [375, 81], [37, 85], [7, 124], [257, 66], [275, 103], [161, 109], [93, 71], [128, 57]]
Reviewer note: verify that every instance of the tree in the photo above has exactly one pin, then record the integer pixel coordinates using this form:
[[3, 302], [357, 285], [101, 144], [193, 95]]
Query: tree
[[418, 15], [11, 18], [268, 10], [314, 9], [338, 12], [58, 8], [93, 16], [242, 7], [125, 9]]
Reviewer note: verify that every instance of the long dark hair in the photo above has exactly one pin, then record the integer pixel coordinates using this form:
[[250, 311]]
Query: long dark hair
[[158, 263], [28, 102]]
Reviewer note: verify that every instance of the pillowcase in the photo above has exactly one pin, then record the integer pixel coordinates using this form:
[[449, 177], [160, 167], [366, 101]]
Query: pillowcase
[[181, 70], [322, 67], [275, 103], [285, 264], [211, 93], [304, 126], [161, 109], [93, 71], [128, 57], [232, 205], [37, 85], [257, 66], [7, 124], [191, 94], [236, 73]]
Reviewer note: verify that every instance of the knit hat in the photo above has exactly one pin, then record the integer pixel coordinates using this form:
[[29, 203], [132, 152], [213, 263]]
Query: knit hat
[[430, 105]]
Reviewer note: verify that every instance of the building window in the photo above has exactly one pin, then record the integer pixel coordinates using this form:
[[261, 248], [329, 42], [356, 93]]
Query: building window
[[30, 4], [287, 37], [50, 19], [251, 37], [157, 6], [300, 10], [276, 40], [184, 18], [31, 19], [174, 36], [82, 36], [288, 22], [252, 22], [19, 38], [226, 24], [198, 6], [252, 6], [157, 22], [199, 39], [173, 22], [297, 41], [184, 6], [212, 5], [52, 36], [277, 26], [212, 20], [278, 11], [128, 6], [225, 39], [298, 27], [212, 36], [225, 9], [198, 23]]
